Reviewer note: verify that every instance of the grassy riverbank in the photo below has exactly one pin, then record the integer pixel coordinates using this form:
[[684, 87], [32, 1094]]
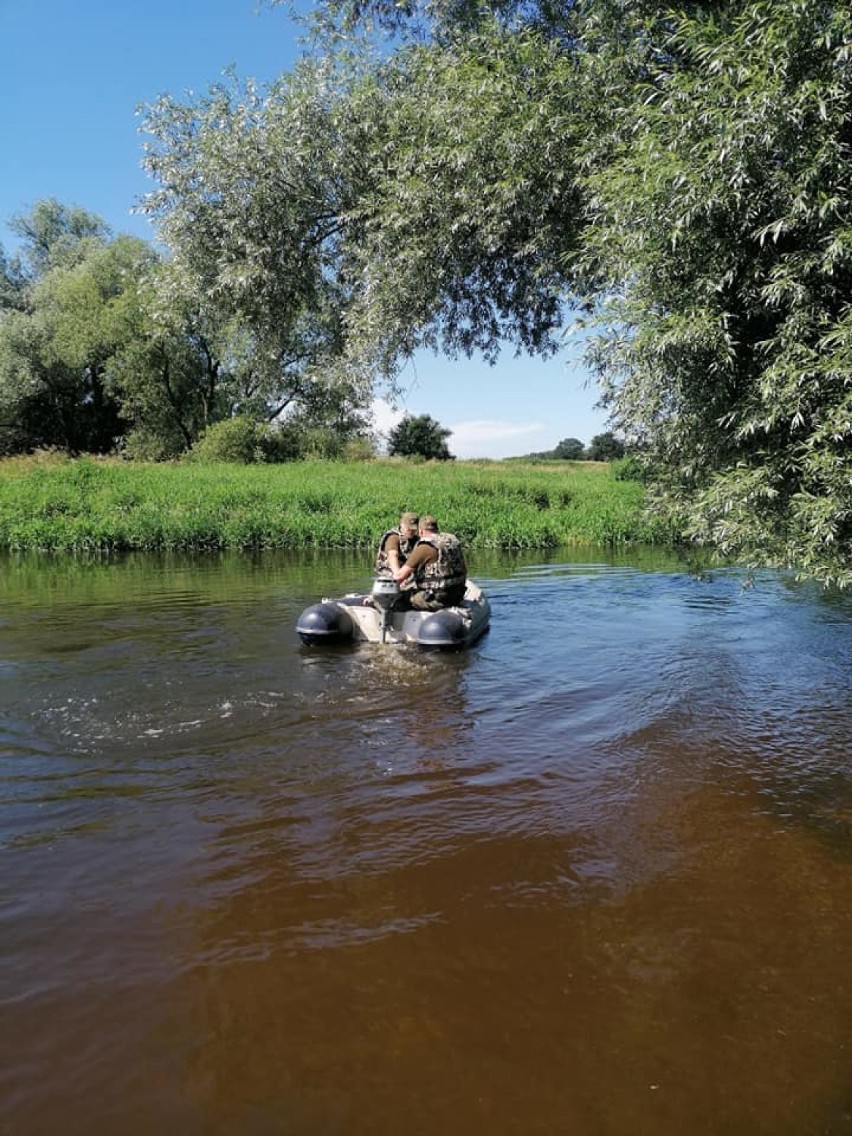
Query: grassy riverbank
[[64, 505]]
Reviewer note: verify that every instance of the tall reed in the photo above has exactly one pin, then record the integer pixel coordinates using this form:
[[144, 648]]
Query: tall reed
[[93, 504]]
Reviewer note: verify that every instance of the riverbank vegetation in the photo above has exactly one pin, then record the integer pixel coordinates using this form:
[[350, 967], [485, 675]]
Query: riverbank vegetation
[[59, 504], [459, 177]]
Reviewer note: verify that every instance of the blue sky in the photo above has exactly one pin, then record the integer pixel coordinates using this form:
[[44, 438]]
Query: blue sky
[[71, 80]]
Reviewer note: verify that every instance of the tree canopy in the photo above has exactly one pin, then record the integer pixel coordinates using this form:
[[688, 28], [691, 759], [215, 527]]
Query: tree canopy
[[605, 447], [569, 449], [718, 248], [420, 436], [103, 348], [72, 307]]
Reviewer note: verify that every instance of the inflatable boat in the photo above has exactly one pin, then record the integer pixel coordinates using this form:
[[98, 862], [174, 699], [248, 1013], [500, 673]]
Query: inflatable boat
[[375, 617]]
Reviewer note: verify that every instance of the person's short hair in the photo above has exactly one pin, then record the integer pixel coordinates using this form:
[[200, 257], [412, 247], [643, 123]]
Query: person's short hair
[[428, 524], [410, 519]]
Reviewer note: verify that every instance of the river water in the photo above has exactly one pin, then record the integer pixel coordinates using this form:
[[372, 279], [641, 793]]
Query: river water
[[592, 877]]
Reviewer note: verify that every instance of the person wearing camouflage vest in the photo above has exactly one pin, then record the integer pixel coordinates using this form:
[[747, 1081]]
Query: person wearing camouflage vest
[[396, 545], [437, 567]]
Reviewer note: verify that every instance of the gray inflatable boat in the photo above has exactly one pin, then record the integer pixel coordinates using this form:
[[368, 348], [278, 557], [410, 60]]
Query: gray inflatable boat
[[375, 618]]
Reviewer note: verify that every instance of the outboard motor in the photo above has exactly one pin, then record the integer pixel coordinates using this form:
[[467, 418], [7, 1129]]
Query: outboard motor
[[385, 594]]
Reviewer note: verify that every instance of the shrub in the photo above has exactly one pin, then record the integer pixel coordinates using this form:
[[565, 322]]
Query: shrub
[[629, 468], [281, 442], [144, 446], [237, 440], [359, 450]]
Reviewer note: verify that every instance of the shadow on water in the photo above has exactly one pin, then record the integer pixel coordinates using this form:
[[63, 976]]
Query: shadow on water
[[590, 876]]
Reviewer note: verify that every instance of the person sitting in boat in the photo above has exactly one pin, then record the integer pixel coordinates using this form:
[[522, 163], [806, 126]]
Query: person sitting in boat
[[396, 545], [436, 567]]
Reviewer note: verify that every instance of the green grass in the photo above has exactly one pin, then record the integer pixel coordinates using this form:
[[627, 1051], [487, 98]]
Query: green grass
[[92, 504]]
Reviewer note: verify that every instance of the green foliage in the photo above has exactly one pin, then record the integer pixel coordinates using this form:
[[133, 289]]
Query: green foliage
[[102, 347], [282, 442], [628, 468], [50, 503], [569, 449], [464, 225], [232, 440], [174, 377], [359, 450], [605, 447], [357, 210], [12, 282], [75, 309], [56, 235], [145, 445], [721, 238], [419, 436], [243, 440], [253, 189]]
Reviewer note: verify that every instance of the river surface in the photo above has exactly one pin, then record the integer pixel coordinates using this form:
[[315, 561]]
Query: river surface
[[592, 877]]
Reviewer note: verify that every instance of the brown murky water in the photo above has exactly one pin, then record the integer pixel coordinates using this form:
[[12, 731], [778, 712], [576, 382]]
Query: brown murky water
[[593, 877]]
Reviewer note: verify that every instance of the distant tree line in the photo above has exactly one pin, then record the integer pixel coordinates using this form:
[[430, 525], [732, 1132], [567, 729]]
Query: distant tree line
[[673, 177], [603, 447]]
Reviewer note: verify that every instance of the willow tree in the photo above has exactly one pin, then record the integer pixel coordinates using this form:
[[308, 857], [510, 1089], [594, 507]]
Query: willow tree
[[254, 187], [466, 221], [73, 306], [354, 212], [719, 246]]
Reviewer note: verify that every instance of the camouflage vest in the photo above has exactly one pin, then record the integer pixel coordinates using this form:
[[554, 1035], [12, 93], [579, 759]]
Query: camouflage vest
[[382, 567], [449, 571]]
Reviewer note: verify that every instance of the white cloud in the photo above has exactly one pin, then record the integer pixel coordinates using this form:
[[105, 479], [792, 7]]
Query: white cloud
[[490, 438], [477, 438], [384, 415]]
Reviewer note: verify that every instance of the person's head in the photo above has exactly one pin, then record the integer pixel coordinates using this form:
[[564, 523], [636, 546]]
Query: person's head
[[408, 524], [428, 525]]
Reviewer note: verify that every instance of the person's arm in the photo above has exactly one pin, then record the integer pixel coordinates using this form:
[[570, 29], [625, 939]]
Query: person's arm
[[421, 555], [393, 558], [392, 553]]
